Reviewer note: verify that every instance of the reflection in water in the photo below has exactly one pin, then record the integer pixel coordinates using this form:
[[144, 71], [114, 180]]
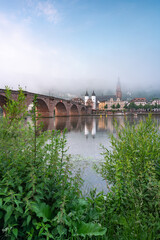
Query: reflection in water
[[86, 132], [93, 132], [91, 125], [59, 125], [84, 137], [74, 123], [44, 122]]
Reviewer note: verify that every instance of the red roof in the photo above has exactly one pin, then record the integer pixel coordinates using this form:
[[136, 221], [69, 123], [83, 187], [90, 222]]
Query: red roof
[[138, 100]]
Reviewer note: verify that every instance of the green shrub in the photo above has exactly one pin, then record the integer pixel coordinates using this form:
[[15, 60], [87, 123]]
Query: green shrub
[[39, 197], [132, 169]]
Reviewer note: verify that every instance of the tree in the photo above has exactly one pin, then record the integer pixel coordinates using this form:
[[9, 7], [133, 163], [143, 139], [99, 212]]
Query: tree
[[118, 105], [15, 109], [106, 106], [140, 106], [126, 106], [113, 106], [156, 105], [132, 105], [148, 107]]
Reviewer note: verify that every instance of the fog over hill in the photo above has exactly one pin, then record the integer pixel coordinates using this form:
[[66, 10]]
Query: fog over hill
[[127, 94], [65, 47]]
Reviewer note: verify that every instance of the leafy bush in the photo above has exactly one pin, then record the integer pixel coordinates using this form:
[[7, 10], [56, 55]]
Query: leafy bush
[[132, 169], [39, 197]]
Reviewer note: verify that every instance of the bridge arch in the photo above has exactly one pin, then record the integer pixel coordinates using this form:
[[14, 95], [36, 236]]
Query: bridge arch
[[60, 109], [3, 101], [30, 107], [41, 107], [74, 110]]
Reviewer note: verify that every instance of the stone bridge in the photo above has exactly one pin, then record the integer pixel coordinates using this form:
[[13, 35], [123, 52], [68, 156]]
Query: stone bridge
[[48, 106]]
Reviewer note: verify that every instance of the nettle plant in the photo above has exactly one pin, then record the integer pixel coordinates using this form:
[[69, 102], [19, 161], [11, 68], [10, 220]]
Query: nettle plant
[[39, 197], [132, 168]]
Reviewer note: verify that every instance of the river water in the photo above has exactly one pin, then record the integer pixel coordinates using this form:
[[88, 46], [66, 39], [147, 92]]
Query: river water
[[85, 136]]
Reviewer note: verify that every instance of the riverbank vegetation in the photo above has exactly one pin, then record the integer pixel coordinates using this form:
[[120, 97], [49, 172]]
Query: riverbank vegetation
[[133, 170], [41, 199], [146, 107]]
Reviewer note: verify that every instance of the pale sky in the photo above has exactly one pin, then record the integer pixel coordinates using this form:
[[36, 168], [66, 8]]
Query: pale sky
[[79, 44]]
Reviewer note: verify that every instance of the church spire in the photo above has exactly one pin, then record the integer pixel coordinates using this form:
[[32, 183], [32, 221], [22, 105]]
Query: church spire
[[87, 95], [118, 90], [93, 94]]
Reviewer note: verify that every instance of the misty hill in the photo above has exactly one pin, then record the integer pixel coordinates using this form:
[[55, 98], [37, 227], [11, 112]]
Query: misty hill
[[127, 95]]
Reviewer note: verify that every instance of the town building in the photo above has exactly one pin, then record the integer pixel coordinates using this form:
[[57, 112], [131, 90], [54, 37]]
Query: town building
[[118, 91], [139, 101], [107, 102], [110, 102], [155, 102], [91, 102], [78, 100]]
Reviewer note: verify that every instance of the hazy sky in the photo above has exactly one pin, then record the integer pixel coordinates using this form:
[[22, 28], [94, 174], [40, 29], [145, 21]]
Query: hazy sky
[[79, 44]]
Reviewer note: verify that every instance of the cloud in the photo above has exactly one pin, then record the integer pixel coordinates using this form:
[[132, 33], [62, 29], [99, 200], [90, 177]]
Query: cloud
[[27, 20], [26, 61], [47, 10]]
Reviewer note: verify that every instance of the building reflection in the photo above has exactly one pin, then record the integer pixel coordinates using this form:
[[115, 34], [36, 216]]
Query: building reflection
[[86, 131], [94, 130], [102, 124], [88, 125]]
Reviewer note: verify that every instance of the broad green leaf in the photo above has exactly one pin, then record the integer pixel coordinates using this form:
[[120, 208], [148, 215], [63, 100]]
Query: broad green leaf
[[90, 229], [28, 219], [8, 214], [61, 230], [15, 232], [42, 210], [0, 202]]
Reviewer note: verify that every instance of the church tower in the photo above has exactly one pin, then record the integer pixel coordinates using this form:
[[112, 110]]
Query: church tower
[[86, 98], [118, 90], [94, 100]]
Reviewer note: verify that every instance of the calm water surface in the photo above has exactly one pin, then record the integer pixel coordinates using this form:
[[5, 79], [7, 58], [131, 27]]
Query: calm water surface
[[84, 139]]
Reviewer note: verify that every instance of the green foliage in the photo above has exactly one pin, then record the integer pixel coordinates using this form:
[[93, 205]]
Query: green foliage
[[113, 106], [132, 105], [39, 196], [90, 229], [41, 199], [133, 170], [140, 106], [1, 111], [15, 108], [126, 106], [106, 106], [118, 105]]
